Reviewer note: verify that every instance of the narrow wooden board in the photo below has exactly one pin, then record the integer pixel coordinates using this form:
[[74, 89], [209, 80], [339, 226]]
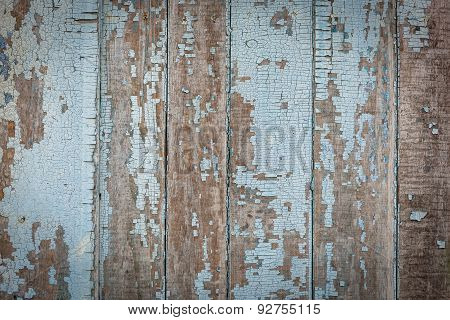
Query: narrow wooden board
[[270, 123], [197, 148], [424, 141], [354, 150], [132, 158], [48, 81]]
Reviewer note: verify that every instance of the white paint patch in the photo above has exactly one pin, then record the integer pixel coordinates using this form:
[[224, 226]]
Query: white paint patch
[[205, 166], [30, 293], [195, 222], [331, 276], [196, 103], [328, 200], [133, 71], [361, 225], [186, 49], [204, 276], [332, 58], [51, 276], [327, 160], [413, 17], [441, 244], [299, 269], [417, 215], [140, 228], [362, 266], [154, 227]]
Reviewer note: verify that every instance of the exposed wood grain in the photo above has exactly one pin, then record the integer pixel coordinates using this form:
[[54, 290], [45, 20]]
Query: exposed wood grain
[[242, 149], [48, 78], [271, 57], [354, 150], [132, 133], [424, 141], [197, 140]]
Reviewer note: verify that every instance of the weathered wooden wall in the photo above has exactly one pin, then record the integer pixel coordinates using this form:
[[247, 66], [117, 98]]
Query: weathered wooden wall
[[424, 149], [214, 149]]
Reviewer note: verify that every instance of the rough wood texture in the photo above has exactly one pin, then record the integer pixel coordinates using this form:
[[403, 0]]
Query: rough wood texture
[[271, 57], [424, 140], [354, 150], [197, 140], [132, 150], [48, 77], [241, 149]]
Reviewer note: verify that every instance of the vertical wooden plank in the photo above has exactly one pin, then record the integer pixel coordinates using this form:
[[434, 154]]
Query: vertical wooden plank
[[424, 140], [132, 133], [271, 57], [354, 149], [48, 81], [196, 178]]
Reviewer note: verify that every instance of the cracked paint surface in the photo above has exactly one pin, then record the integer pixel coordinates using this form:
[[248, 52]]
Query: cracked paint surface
[[424, 117], [83, 195], [47, 56], [197, 141], [354, 149], [131, 166], [270, 140], [413, 20]]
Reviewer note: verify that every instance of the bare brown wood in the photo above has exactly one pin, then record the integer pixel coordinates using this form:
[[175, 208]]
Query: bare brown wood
[[132, 150], [354, 150], [197, 140], [424, 145]]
